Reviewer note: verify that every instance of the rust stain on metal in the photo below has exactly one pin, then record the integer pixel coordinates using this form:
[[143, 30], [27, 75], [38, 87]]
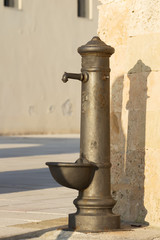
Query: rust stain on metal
[[85, 99], [100, 97]]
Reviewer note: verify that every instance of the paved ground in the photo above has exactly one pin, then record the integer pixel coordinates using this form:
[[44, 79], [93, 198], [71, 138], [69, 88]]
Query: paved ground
[[32, 204], [28, 193]]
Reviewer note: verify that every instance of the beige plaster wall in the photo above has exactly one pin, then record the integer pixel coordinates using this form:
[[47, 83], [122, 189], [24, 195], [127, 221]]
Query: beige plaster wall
[[37, 44], [132, 27]]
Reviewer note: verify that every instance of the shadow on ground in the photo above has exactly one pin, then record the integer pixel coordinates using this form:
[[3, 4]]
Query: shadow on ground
[[41, 228], [34, 234], [43, 146], [12, 148], [26, 180]]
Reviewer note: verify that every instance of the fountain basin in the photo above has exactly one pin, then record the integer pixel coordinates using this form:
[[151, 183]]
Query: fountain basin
[[72, 175]]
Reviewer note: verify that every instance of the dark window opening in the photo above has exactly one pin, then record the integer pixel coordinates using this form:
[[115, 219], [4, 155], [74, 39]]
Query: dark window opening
[[9, 3], [81, 8], [84, 8]]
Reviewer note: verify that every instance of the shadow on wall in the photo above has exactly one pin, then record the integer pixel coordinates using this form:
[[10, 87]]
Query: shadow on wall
[[128, 153]]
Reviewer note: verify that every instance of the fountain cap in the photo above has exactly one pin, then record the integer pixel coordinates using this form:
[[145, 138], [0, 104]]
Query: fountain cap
[[96, 45]]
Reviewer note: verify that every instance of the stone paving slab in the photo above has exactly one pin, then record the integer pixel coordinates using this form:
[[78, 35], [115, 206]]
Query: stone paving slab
[[142, 234], [54, 230]]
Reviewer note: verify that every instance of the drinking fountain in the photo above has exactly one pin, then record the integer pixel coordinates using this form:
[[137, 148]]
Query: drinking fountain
[[90, 174]]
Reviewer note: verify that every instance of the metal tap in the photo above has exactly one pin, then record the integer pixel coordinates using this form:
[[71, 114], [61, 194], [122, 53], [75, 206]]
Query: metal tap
[[81, 76]]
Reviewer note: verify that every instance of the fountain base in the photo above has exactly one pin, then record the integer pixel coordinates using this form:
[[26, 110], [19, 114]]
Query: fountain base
[[93, 223]]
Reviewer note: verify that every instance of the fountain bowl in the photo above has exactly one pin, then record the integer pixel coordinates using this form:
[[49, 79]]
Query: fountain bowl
[[72, 175]]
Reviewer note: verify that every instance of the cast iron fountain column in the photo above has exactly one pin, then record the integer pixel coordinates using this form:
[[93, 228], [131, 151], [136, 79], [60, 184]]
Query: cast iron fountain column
[[94, 203]]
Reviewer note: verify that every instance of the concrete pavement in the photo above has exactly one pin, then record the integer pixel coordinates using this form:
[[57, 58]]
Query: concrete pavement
[[32, 204]]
